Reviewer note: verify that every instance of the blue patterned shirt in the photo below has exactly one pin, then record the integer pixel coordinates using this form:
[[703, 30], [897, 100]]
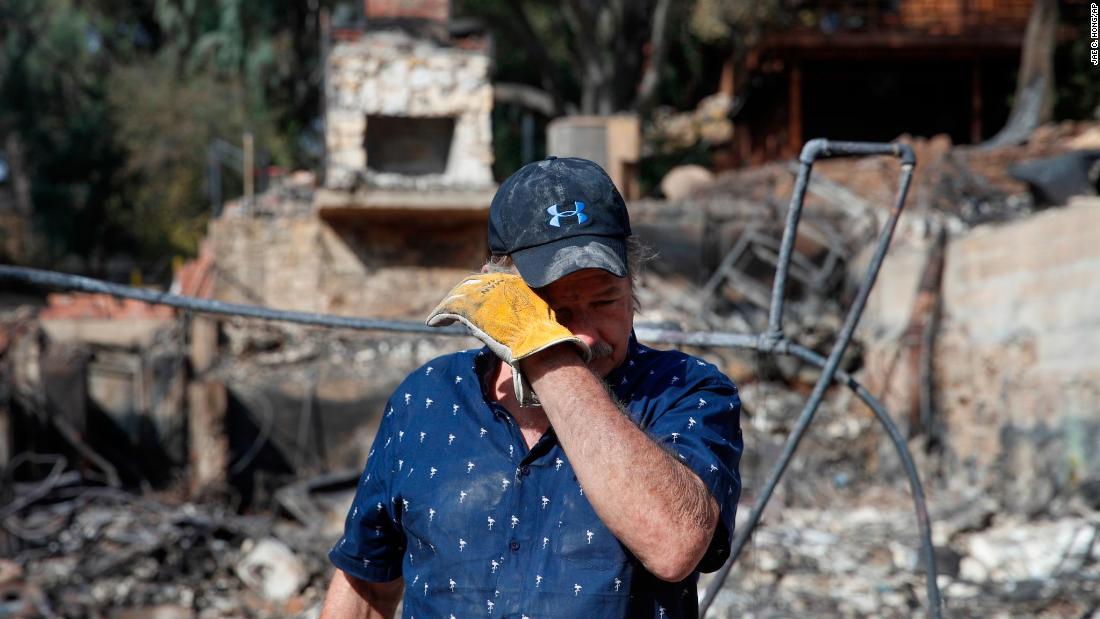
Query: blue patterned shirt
[[479, 526]]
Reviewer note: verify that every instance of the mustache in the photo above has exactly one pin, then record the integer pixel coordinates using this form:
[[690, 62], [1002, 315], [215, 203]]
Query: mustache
[[601, 350]]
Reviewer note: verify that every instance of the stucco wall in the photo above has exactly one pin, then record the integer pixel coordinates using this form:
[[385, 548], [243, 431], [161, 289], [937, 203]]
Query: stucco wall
[[1017, 367]]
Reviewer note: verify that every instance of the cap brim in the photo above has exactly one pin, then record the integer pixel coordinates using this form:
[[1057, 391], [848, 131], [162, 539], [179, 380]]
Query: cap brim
[[542, 265]]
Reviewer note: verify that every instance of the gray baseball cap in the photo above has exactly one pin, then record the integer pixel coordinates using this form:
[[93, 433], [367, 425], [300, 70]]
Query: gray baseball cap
[[558, 216]]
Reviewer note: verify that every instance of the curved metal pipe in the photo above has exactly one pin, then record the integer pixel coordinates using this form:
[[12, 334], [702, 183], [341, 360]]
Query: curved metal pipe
[[920, 505], [774, 341], [786, 246], [51, 279]]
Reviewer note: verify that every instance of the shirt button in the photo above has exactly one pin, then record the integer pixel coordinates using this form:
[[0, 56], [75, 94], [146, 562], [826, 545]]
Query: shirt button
[[524, 470], [514, 545]]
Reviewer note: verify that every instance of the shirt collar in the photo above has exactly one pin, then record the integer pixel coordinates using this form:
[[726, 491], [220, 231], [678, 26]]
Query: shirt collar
[[616, 375], [485, 358]]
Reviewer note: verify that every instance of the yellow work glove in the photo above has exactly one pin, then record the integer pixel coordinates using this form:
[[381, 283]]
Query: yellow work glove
[[514, 322]]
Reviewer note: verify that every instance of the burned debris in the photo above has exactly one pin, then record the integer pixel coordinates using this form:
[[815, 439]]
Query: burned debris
[[275, 433], [108, 550], [159, 462]]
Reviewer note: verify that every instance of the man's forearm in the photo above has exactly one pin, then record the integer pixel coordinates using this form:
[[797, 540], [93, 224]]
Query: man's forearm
[[653, 504], [351, 598]]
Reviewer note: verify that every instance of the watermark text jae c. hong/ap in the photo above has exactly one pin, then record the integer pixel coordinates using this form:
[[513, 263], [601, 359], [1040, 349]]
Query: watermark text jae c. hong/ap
[[1094, 40]]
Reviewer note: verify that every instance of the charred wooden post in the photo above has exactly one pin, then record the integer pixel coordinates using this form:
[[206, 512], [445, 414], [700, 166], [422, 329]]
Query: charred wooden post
[[208, 442]]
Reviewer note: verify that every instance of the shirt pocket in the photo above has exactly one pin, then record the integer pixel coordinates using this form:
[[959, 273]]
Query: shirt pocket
[[583, 541]]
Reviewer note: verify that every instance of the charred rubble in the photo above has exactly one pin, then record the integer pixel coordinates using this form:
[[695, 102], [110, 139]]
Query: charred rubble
[[161, 464]]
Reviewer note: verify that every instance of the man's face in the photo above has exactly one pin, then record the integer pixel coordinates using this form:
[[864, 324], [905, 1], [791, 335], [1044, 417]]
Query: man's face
[[598, 308]]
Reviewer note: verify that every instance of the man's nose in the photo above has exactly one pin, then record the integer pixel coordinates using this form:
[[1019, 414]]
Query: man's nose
[[585, 337], [582, 328]]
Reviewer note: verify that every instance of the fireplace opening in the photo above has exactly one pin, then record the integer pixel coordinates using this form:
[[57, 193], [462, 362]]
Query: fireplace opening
[[407, 145]]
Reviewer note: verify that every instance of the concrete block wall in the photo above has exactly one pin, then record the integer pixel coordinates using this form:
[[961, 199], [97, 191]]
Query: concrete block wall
[[374, 269], [1016, 365]]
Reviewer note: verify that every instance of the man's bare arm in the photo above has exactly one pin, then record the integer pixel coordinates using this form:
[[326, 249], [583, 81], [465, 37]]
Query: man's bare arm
[[349, 597], [652, 503]]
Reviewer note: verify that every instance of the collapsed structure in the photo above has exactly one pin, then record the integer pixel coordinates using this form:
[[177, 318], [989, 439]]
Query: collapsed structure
[[834, 70], [407, 177], [978, 346], [1008, 371]]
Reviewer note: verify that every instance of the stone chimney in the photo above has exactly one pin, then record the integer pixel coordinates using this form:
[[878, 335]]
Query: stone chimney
[[429, 10], [407, 115]]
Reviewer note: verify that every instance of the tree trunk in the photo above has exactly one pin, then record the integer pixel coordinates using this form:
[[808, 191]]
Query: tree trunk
[[616, 49], [19, 174], [647, 91], [527, 97], [1034, 101]]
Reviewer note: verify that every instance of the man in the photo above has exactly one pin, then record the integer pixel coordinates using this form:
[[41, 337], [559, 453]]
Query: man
[[565, 470]]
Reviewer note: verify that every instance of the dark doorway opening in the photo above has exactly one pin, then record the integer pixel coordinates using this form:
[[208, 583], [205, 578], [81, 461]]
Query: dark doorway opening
[[880, 100], [407, 145]]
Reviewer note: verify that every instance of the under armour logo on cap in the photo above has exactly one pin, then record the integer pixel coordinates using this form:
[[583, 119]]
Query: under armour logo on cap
[[557, 215]]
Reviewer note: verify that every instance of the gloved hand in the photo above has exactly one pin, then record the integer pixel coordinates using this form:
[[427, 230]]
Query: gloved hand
[[502, 311]]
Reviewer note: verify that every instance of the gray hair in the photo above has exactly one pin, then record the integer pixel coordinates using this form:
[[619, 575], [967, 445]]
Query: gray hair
[[638, 255]]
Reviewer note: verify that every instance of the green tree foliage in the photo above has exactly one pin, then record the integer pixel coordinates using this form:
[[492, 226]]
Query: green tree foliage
[[593, 56], [735, 23], [113, 104], [166, 124], [1078, 90], [52, 67], [204, 83]]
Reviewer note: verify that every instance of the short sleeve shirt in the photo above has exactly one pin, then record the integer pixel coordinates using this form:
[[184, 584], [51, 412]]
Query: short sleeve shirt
[[479, 526]]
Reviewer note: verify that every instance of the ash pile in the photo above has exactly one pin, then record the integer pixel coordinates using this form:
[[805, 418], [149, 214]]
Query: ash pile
[[157, 476], [93, 551]]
